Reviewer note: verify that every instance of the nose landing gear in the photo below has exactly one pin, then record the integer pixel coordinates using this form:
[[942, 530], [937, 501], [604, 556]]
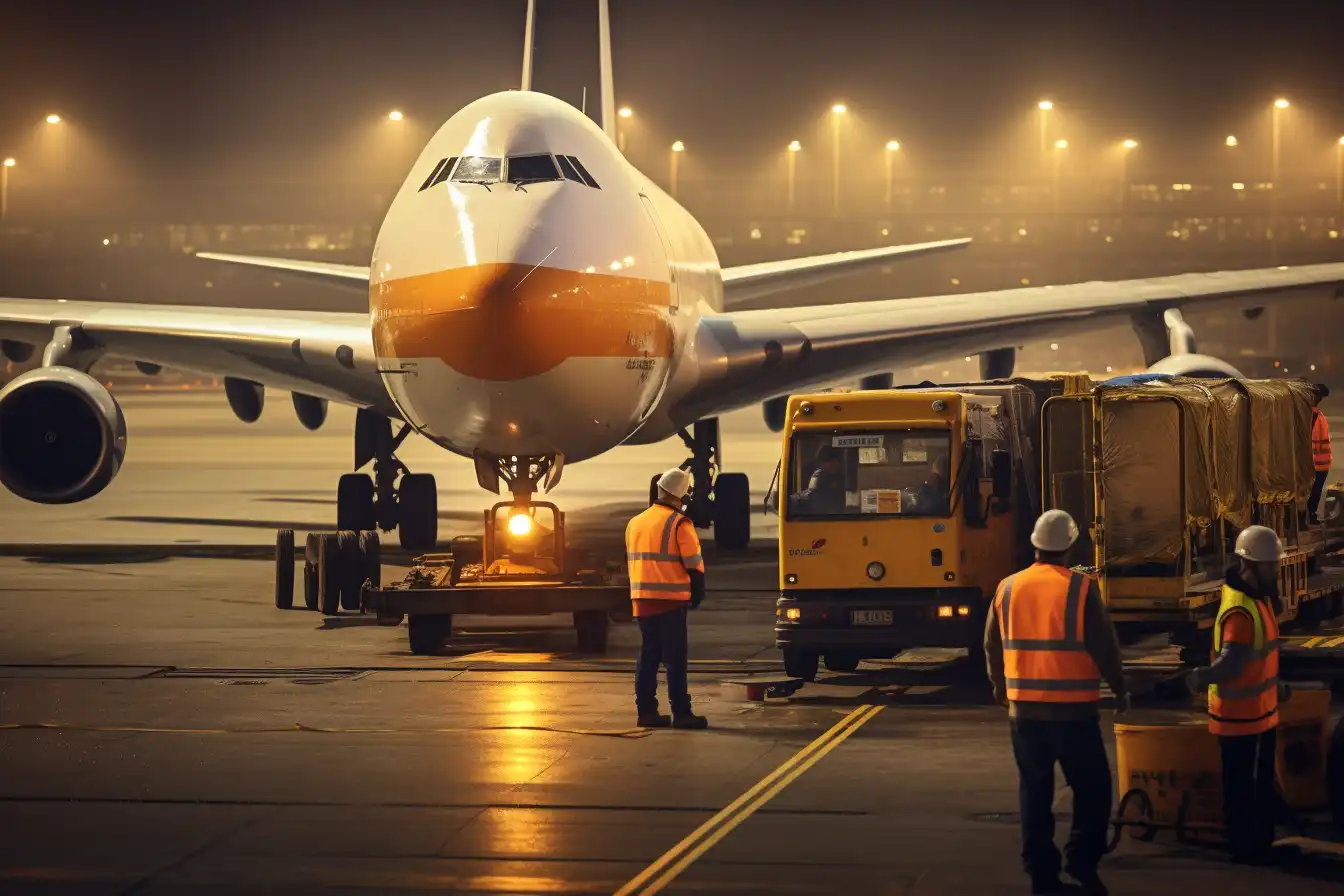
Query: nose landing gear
[[717, 499], [363, 503]]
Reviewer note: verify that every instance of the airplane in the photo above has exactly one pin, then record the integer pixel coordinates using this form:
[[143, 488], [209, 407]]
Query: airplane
[[535, 301]]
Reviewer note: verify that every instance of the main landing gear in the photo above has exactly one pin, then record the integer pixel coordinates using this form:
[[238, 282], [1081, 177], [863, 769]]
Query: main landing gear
[[364, 503], [717, 499]]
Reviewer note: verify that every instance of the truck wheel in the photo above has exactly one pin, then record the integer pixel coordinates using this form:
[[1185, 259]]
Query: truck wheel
[[330, 572], [800, 664], [352, 569], [842, 662], [732, 511], [310, 593], [354, 502], [591, 626], [429, 634], [284, 569], [418, 512]]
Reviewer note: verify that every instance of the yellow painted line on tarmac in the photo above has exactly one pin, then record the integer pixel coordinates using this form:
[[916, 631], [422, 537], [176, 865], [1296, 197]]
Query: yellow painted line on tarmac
[[670, 864], [314, 729], [1313, 641], [1336, 641]]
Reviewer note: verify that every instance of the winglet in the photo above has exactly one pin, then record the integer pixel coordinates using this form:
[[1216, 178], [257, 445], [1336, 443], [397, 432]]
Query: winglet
[[608, 88]]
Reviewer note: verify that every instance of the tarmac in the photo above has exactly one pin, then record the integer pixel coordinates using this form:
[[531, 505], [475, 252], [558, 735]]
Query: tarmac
[[164, 729]]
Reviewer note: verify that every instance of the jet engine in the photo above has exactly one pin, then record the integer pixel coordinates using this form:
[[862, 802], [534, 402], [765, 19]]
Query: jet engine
[[1183, 358], [62, 436]]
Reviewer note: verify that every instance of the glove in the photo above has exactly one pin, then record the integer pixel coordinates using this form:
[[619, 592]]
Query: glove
[[1000, 698], [1285, 692], [1122, 704], [695, 601], [1194, 681]]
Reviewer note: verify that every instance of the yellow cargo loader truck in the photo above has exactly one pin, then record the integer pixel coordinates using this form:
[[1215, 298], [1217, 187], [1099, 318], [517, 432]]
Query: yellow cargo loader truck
[[902, 509]]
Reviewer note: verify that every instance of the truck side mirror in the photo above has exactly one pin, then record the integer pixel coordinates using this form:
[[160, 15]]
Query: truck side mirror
[[1001, 473]]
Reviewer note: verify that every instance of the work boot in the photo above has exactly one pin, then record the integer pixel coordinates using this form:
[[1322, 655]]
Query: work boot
[[1088, 880], [1041, 884], [654, 719], [689, 721]]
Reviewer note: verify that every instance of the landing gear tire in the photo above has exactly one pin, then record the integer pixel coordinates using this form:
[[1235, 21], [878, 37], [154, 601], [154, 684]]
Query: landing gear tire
[[800, 664], [329, 574], [841, 662], [591, 626], [428, 635], [418, 512], [284, 569], [354, 503], [351, 563], [732, 511], [310, 593]]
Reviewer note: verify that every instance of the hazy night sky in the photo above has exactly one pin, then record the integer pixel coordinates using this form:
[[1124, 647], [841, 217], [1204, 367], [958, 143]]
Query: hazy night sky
[[178, 86]]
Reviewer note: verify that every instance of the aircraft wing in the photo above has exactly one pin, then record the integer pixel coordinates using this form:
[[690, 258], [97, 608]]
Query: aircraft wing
[[754, 280], [745, 357], [324, 354], [322, 269]]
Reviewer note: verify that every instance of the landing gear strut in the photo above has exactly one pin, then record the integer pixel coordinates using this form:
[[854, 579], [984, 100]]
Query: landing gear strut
[[410, 506], [721, 500]]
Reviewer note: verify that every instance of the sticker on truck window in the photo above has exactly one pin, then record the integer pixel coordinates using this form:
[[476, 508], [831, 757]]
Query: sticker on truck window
[[856, 441], [880, 500], [870, 456]]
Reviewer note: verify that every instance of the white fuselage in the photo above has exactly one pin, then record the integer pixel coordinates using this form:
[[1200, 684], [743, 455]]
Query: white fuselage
[[539, 319]]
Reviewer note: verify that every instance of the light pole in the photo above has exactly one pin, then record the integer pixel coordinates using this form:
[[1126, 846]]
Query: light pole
[[1280, 105], [1060, 146], [1339, 172], [1045, 106], [4, 188], [677, 149], [791, 158], [1126, 147], [893, 147], [623, 112], [395, 115], [836, 112]]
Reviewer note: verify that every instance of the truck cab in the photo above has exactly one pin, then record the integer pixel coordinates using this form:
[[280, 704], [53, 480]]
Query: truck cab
[[896, 522]]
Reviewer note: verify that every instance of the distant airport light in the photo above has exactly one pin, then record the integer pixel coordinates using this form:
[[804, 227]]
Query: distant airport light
[[53, 118], [1280, 103], [1231, 140], [626, 112], [1341, 141], [1061, 144], [678, 146], [1313, 368], [10, 163], [795, 146], [1054, 346], [839, 109], [1238, 186], [1045, 105], [395, 115], [106, 241], [1130, 144], [893, 145]]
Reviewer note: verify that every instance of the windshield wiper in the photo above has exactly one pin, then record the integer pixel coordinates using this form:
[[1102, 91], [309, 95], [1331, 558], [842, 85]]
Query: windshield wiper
[[482, 183]]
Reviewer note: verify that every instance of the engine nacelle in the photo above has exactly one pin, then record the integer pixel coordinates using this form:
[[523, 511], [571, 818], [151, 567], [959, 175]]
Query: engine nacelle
[[62, 436], [1201, 366], [774, 410]]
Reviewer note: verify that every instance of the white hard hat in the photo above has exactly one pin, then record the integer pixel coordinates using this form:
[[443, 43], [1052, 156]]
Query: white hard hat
[[1055, 532], [1259, 544], [676, 482]]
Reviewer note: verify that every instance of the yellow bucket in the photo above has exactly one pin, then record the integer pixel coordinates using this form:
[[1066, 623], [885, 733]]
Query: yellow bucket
[[1304, 722], [1174, 760]]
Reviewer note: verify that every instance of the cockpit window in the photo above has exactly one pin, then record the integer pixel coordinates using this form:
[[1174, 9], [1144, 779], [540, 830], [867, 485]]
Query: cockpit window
[[532, 169], [479, 169], [571, 173], [583, 173], [440, 173]]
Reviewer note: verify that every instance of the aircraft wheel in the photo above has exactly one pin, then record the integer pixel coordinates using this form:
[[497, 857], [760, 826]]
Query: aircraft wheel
[[354, 503], [418, 512], [732, 511], [330, 572], [351, 562], [310, 592], [284, 569]]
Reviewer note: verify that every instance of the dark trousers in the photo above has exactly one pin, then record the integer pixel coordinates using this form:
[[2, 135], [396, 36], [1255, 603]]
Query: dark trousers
[[664, 642], [1078, 748], [1250, 800], [1317, 489]]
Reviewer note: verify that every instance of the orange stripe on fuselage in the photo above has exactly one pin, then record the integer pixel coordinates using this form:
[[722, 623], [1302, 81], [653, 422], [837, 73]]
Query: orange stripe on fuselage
[[511, 321]]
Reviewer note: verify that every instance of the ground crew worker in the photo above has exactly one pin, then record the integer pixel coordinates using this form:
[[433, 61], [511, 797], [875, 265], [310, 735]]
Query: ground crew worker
[[1048, 643], [1244, 693], [667, 576], [1322, 453]]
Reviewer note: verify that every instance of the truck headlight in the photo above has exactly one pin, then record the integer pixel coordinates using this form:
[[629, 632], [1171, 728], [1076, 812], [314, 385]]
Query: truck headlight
[[520, 524], [876, 571]]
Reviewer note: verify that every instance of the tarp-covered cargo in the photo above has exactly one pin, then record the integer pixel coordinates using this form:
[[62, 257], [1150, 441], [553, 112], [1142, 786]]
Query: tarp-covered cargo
[[1280, 462]]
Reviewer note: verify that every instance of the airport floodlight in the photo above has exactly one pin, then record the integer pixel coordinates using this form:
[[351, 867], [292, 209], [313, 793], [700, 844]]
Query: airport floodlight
[[1045, 105], [10, 163], [1231, 140], [1130, 144], [1280, 103], [395, 115], [678, 146], [625, 112], [795, 146], [1341, 143], [53, 118], [839, 109], [1061, 144], [893, 145]]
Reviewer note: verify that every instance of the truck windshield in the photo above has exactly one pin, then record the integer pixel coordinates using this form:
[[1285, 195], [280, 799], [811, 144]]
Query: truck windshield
[[869, 473]]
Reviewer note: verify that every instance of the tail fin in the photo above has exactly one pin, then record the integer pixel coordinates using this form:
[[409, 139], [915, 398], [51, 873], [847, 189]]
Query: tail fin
[[528, 43], [607, 87]]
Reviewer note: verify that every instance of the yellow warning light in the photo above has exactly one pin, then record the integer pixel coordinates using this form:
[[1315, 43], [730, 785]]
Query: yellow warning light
[[520, 524]]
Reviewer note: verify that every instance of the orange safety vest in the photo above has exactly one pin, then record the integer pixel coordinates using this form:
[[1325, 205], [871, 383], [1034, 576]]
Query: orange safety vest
[[1045, 659], [660, 555], [1322, 454], [1249, 703]]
